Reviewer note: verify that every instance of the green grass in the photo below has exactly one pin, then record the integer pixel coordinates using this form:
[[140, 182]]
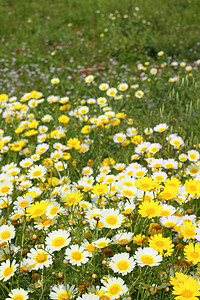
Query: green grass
[[32, 30]]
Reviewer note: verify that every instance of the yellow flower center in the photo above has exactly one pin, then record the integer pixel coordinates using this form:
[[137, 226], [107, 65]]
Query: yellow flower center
[[193, 156], [18, 297], [128, 193], [159, 177], [37, 173], [8, 271], [90, 248], [194, 171], [24, 203], [187, 294], [76, 255], [41, 257], [114, 289], [5, 235], [101, 244], [64, 296], [46, 222], [150, 211], [139, 173], [122, 265], [111, 220], [123, 241], [5, 189], [147, 259], [53, 210], [159, 243], [194, 254], [58, 241]]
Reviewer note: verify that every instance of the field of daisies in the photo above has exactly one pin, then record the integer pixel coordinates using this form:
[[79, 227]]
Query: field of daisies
[[99, 155]]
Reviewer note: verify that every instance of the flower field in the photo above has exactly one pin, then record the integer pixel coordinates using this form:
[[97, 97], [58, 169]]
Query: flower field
[[100, 171]]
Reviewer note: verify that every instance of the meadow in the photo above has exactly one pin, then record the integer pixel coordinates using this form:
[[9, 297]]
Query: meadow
[[99, 150]]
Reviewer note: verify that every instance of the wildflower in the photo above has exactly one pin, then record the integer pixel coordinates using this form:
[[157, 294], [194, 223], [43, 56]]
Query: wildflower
[[111, 218], [115, 287], [122, 263], [72, 198], [163, 245], [36, 172], [139, 94], [123, 238], [7, 232], [6, 188], [76, 255], [111, 92], [55, 80], [57, 239], [103, 86], [119, 137], [89, 79], [192, 252], [187, 290], [39, 258], [161, 127], [7, 270], [150, 209], [61, 292], [37, 209], [147, 257], [101, 243], [18, 294]]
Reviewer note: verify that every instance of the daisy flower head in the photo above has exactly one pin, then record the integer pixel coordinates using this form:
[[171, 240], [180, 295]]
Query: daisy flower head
[[122, 263], [119, 138], [163, 245], [154, 148], [89, 78], [122, 87], [150, 209], [36, 172], [153, 71], [7, 270], [57, 239], [115, 287], [122, 238], [171, 222], [148, 131], [147, 257], [23, 202], [76, 255], [39, 258], [139, 94], [18, 294], [161, 127], [176, 142], [25, 163], [159, 176], [111, 218], [187, 289], [192, 252], [7, 232], [89, 296], [193, 155], [193, 170], [37, 209], [101, 243], [6, 188], [103, 86], [61, 292], [53, 210], [111, 92], [55, 80], [160, 53]]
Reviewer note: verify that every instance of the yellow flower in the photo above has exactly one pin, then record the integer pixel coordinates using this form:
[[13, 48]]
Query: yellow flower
[[74, 143], [192, 252], [100, 189], [163, 245], [37, 209], [150, 209], [72, 198], [63, 119], [145, 183]]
